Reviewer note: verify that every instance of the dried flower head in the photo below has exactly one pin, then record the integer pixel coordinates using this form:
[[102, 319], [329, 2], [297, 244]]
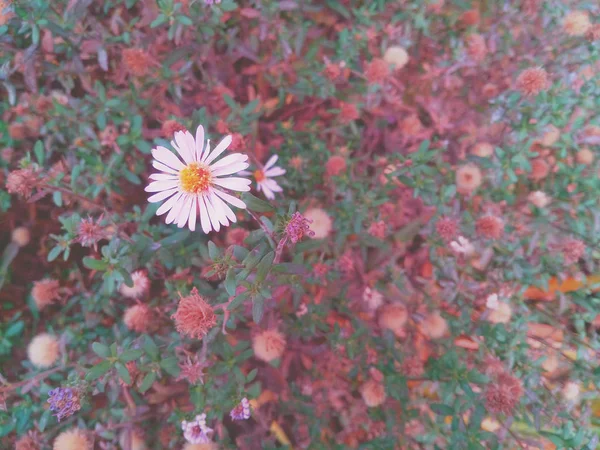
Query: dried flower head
[[22, 182], [192, 370], [532, 81], [268, 345], [45, 292], [320, 270], [551, 136], [28, 441], [297, 227], [43, 350], [476, 47], [412, 366], [572, 250], [194, 316], [393, 317], [64, 402], [21, 236], [241, 411], [137, 61], [500, 312], [373, 393], [90, 232], [490, 227], [196, 431], [336, 165], [468, 178], [73, 439], [539, 169], [469, 18], [320, 222], [348, 112], [571, 391], [138, 318], [377, 71], [577, 23], [503, 394], [396, 57], [447, 228], [236, 236], [169, 127], [434, 326], [6, 12], [141, 285], [132, 439]]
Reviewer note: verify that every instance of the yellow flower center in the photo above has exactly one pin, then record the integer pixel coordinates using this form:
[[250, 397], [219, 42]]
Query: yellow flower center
[[195, 178], [259, 175]]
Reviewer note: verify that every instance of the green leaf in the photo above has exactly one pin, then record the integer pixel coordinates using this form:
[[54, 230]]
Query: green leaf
[[230, 282], [264, 266], [185, 20], [150, 347], [98, 370], [175, 238], [123, 372], [130, 355], [100, 349], [238, 301], [251, 375], [14, 329], [43, 422], [126, 276], [213, 250], [147, 382], [54, 253], [258, 306], [171, 365], [38, 150], [95, 264], [441, 409], [255, 204]]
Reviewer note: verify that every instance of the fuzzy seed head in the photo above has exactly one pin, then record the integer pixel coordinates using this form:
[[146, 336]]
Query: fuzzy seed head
[[22, 182], [572, 250], [141, 285], [137, 61], [21, 236], [377, 71], [447, 228], [476, 47], [539, 199], [320, 222], [577, 23], [532, 81], [483, 149], [43, 350], [336, 165], [550, 136], [373, 393], [348, 112], [490, 227], [539, 169], [396, 57], [377, 229], [138, 318], [468, 178], [134, 438], [73, 439], [503, 394], [585, 156], [236, 236], [26, 442], [434, 326], [393, 317], [45, 292], [268, 345], [194, 316], [90, 232], [501, 313]]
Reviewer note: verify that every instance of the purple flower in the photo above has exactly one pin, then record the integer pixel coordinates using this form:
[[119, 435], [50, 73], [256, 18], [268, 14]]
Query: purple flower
[[241, 411], [297, 227], [64, 402], [197, 432]]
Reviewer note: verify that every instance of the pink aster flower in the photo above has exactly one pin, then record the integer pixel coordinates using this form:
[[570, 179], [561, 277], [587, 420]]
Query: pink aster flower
[[195, 187], [264, 177], [241, 411], [196, 431]]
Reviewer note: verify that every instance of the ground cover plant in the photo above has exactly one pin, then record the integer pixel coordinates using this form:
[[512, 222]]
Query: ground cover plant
[[307, 224]]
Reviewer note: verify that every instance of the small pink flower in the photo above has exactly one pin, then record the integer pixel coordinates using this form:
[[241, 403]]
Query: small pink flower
[[197, 432], [241, 411]]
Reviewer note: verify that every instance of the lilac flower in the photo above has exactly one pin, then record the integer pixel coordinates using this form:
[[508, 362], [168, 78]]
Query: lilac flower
[[64, 402], [297, 227], [241, 411], [197, 432]]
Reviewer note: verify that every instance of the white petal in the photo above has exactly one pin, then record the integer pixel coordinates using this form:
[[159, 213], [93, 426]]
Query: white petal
[[174, 213], [219, 211], [193, 213], [272, 185], [268, 192], [226, 210], [245, 173], [272, 160], [230, 199], [204, 220], [167, 157], [212, 215], [275, 172], [220, 148], [228, 170], [233, 183], [157, 186], [161, 196], [166, 206], [199, 142], [182, 138], [162, 177], [230, 159], [160, 166], [184, 214]]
